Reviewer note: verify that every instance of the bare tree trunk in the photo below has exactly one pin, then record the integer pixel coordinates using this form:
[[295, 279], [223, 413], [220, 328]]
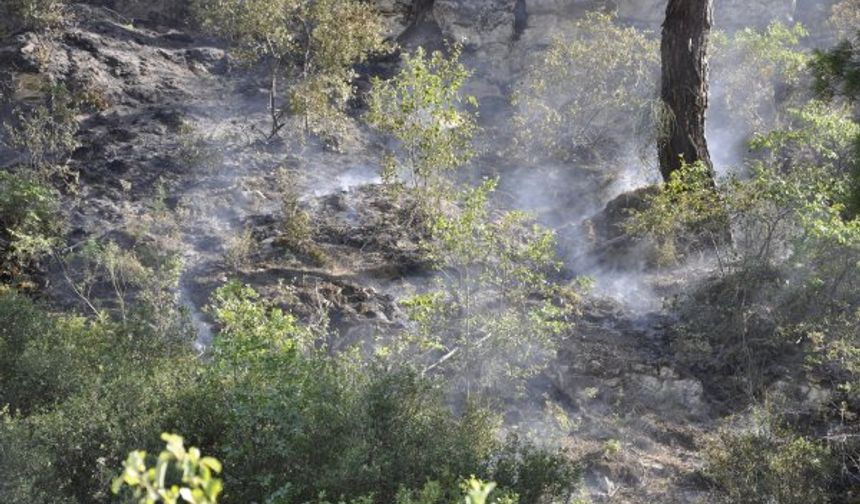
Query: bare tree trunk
[[276, 113], [685, 83]]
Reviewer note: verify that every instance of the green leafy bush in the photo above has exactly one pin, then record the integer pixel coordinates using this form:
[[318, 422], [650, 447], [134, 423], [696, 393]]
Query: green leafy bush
[[686, 214], [32, 14], [85, 393], [532, 473], [290, 426], [313, 45], [297, 228], [837, 75], [289, 422], [197, 485], [615, 69], [45, 133], [33, 355], [30, 224], [836, 70], [768, 463], [423, 108], [795, 200], [758, 73], [494, 317]]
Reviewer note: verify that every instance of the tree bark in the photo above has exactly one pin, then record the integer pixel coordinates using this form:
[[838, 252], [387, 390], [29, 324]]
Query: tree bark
[[684, 89]]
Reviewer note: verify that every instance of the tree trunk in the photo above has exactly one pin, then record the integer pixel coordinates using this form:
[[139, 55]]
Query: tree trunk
[[685, 84]]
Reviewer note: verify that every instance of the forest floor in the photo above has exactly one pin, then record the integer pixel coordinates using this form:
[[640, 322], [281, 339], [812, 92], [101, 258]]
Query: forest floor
[[179, 130]]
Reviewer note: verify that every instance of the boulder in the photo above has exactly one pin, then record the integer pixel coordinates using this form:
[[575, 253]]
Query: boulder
[[398, 14], [609, 241], [668, 393], [476, 23]]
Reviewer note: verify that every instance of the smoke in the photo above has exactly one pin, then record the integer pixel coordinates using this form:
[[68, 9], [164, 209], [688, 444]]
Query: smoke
[[564, 195], [745, 95], [235, 181], [349, 179]]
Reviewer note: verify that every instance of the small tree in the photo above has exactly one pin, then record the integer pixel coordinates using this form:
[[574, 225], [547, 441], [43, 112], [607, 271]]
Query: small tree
[[837, 70], [753, 72], [314, 44], [29, 223], [837, 74], [423, 108], [495, 317], [594, 76]]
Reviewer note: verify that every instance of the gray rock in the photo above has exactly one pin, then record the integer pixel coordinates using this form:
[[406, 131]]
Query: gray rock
[[397, 14], [476, 23], [667, 393]]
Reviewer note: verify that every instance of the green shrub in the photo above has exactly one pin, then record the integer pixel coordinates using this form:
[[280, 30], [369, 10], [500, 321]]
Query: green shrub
[[756, 74], [45, 133], [313, 45], [685, 215], [79, 396], [494, 317], [238, 249], [615, 69], [795, 199], [30, 222], [423, 108], [768, 463], [186, 474], [836, 70], [837, 74], [196, 484], [297, 229], [33, 355], [532, 473], [134, 285], [289, 422], [32, 14], [291, 426]]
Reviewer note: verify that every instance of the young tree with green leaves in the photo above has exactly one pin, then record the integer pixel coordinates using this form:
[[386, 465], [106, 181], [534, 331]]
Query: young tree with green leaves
[[837, 75], [423, 108], [30, 227], [592, 77], [494, 317], [313, 45], [757, 75]]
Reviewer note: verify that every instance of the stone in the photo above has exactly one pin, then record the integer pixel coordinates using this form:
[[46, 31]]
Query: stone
[[476, 23], [667, 393], [397, 15]]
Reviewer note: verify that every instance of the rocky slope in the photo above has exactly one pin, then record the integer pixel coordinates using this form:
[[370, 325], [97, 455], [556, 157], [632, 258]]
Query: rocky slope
[[177, 127]]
